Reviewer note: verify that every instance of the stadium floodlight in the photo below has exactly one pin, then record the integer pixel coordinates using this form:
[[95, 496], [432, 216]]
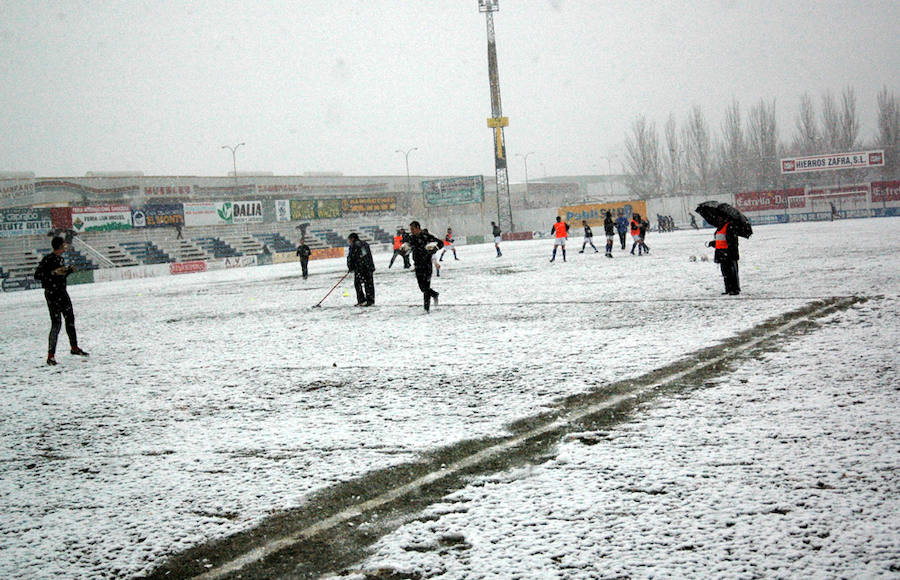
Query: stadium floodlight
[[488, 5], [234, 161]]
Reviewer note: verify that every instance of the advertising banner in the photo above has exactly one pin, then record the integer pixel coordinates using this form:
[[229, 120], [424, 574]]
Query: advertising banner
[[766, 200], [208, 213], [857, 160], [883, 191], [101, 218], [176, 191], [369, 205], [328, 208], [187, 267], [25, 222], [245, 212], [15, 189], [303, 209], [240, 262], [454, 190], [282, 210], [157, 216], [594, 213], [324, 253]]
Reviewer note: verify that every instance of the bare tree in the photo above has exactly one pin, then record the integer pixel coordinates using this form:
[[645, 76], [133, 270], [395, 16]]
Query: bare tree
[[733, 153], [831, 123], [888, 137], [806, 140], [673, 157], [642, 158], [762, 141], [698, 151], [848, 136]]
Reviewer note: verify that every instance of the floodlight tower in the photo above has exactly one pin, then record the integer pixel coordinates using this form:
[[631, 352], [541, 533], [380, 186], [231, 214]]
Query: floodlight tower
[[497, 121]]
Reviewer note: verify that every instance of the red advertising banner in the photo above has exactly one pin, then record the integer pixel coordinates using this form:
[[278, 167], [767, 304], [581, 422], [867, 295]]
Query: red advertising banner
[[883, 191], [61, 217], [768, 200], [187, 267]]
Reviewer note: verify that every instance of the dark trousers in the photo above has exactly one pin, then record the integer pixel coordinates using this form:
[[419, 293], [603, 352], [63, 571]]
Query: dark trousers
[[60, 307], [622, 239], [402, 255], [730, 275], [364, 282], [423, 277], [304, 265]]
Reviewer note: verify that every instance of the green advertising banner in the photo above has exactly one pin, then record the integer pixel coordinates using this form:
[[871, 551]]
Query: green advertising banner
[[454, 190], [328, 208]]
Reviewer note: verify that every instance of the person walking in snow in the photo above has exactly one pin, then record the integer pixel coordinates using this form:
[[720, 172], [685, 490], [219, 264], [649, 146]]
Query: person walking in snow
[[588, 238], [560, 232], [622, 227], [635, 227], [423, 247], [52, 272], [609, 228], [303, 252], [644, 228], [359, 261], [495, 230], [448, 245], [398, 241]]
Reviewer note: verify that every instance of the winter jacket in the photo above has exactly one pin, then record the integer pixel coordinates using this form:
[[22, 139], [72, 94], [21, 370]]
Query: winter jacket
[[622, 224], [53, 284], [609, 226], [359, 259], [731, 253], [496, 231], [304, 252], [421, 255]]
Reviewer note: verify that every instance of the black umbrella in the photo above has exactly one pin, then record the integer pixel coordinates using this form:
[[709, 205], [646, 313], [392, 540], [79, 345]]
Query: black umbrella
[[717, 213]]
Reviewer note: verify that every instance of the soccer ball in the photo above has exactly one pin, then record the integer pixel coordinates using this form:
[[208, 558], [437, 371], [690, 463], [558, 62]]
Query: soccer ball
[[431, 246], [405, 248]]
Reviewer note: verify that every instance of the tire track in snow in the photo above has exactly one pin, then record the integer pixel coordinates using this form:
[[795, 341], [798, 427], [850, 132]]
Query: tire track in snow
[[336, 525]]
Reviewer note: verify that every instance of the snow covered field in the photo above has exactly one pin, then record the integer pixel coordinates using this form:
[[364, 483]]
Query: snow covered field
[[211, 401]]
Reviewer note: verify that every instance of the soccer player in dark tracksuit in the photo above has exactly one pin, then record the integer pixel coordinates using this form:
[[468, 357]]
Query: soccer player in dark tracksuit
[[609, 228], [303, 252], [52, 272], [360, 262], [418, 241]]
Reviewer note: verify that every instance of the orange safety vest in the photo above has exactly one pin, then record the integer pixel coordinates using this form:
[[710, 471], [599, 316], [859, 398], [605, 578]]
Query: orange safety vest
[[721, 240], [448, 239], [398, 241], [560, 228], [635, 227]]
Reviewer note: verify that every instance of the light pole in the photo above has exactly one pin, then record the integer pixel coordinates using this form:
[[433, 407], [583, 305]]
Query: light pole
[[525, 161], [608, 174], [234, 161], [406, 155]]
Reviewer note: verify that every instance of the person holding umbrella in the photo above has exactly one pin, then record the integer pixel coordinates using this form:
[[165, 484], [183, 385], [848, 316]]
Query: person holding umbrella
[[729, 223]]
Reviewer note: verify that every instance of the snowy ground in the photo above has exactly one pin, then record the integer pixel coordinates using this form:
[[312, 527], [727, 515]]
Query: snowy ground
[[213, 400]]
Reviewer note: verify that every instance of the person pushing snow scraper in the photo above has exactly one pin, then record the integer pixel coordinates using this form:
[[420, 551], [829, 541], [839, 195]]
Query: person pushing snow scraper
[[359, 261]]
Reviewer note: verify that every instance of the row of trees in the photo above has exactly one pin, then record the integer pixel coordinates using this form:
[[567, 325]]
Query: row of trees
[[745, 154]]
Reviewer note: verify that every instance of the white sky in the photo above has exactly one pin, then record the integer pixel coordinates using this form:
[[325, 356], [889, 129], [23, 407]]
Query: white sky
[[160, 86]]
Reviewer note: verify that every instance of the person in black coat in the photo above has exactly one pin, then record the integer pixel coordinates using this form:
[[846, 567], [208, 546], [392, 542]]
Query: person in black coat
[[423, 246], [359, 261], [52, 272], [609, 228], [727, 256], [304, 253]]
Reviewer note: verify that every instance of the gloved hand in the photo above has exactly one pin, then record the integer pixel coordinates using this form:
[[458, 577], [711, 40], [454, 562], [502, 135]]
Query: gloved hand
[[711, 244]]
